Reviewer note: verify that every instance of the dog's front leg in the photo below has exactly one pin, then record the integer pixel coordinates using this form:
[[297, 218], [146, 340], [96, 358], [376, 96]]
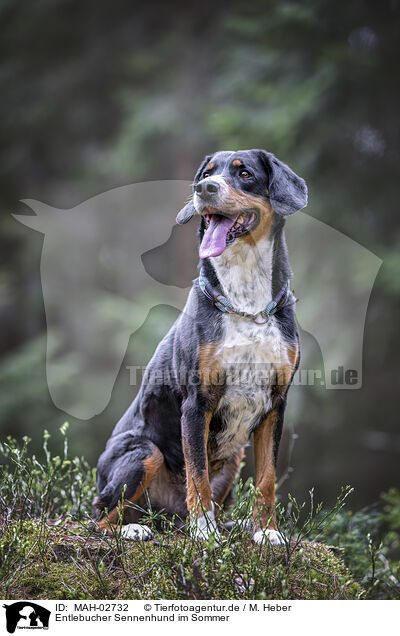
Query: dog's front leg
[[195, 428], [265, 457]]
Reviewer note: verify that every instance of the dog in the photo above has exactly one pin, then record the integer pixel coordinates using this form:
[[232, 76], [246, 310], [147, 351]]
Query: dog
[[230, 358]]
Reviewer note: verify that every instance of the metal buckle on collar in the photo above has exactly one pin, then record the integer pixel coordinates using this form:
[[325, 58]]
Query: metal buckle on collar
[[261, 318]]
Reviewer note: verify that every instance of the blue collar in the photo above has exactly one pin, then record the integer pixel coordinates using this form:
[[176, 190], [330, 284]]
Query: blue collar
[[223, 304]]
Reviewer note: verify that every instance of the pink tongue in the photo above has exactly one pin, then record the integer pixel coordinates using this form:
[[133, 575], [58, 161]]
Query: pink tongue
[[214, 238]]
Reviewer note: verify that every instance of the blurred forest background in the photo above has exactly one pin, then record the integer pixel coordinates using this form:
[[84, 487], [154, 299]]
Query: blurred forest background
[[97, 95]]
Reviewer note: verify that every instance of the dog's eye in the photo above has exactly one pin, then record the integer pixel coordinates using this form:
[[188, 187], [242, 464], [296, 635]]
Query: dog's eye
[[206, 174], [245, 174]]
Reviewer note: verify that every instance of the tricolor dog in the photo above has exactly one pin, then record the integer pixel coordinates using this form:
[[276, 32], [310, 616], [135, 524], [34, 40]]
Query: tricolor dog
[[230, 358]]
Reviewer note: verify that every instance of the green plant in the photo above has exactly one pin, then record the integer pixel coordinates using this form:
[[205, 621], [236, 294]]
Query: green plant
[[366, 540], [34, 487], [32, 491]]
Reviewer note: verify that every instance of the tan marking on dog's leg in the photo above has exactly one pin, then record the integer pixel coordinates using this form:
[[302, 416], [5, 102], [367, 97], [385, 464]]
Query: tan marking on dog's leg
[[293, 354], [151, 465], [264, 510], [198, 484], [285, 372]]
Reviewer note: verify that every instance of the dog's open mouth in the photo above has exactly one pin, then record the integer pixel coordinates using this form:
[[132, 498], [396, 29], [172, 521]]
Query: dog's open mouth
[[223, 230]]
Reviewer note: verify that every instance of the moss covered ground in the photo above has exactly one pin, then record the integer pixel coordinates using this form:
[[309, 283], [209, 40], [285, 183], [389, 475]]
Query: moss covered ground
[[69, 560]]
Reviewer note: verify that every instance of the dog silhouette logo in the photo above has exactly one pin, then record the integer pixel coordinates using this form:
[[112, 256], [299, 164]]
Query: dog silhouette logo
[[26, 615]]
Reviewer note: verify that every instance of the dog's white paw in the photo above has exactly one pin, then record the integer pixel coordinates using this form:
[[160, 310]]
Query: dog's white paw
[[245, 525], [136, 532], [268, 536], [205, 526], [240, 525]]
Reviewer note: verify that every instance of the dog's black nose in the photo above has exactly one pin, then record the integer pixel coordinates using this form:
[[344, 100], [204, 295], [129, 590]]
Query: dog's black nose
[[212, 187], [207, 187]]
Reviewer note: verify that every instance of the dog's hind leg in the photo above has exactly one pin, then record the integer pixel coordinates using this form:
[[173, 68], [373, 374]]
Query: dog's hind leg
[[125, 470]]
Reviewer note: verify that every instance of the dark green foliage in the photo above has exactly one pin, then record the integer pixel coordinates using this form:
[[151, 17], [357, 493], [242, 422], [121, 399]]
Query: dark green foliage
[[142, 92], [390, 516], [368, 541]]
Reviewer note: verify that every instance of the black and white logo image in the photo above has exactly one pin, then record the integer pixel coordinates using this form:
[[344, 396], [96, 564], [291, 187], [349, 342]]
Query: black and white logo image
[[26, 615]]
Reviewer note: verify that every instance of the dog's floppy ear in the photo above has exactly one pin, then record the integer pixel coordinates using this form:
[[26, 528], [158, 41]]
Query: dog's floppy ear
[[188, 211], [287, 191], [185, 214]]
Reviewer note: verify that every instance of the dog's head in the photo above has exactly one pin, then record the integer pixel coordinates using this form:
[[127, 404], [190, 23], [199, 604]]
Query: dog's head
[[237, 194]]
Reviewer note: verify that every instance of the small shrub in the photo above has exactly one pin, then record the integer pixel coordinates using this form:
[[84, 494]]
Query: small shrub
[[53, 485], [366, 540]]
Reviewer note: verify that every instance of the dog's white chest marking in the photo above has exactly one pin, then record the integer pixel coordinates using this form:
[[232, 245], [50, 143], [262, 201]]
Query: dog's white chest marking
[[250, 353]]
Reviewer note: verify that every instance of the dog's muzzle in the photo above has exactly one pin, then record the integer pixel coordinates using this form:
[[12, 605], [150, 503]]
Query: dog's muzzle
[[207, 188]]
